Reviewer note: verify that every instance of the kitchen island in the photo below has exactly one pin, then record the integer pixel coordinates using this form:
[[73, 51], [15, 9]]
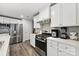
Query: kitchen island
[[4, 48]]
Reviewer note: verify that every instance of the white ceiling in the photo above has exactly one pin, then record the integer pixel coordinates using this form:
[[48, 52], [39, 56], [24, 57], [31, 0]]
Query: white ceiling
[[18, 9]]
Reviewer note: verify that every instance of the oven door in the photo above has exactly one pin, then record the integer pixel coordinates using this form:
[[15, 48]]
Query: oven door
[[42, 46]]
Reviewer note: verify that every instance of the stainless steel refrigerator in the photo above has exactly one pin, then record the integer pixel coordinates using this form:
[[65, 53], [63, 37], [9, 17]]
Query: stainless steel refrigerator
[[16, 33]]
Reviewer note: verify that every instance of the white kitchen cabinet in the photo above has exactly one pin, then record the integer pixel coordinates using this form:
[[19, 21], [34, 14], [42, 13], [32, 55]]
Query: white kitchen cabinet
[[56, 14], [77, 14], [1, 19], [66, 49], [36, 19], [32, 39], [6, 20], [69, 14], [51, 51], [61, 47], [13, 21], [62, 53], [63, 14], [51, 48]]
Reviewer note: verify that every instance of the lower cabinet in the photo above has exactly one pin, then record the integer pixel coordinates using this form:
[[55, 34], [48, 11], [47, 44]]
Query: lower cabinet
[[52, 51], [32, 39], [68, 49], [56, 48], [62, 53], [51, 48]]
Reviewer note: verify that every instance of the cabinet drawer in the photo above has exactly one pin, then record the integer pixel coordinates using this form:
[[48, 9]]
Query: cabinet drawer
[[62, 53], [51, 42], [67, 48]]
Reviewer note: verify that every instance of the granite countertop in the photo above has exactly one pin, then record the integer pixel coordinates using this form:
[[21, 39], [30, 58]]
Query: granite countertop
[[66, 41]]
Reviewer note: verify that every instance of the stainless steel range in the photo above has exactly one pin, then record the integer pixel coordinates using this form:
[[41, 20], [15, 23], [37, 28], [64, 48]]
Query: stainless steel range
[[41, 43]]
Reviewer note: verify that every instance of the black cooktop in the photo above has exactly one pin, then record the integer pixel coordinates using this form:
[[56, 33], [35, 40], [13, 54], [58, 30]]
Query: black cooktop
[[43, 35]]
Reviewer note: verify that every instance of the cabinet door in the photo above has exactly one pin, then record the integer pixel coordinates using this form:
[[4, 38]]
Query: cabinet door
[[51, 51], [62, 53], [51, 48], [32, 40], [69, 14], [1, 19], [77, 14], [6, 20], [13, 21], [56, 15]]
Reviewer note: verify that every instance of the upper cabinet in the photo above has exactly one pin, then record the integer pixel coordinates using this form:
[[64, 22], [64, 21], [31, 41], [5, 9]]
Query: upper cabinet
[[56, 15], [36, 19], [6, 20], [13, 21], [1, 19], [44, 14], [42, 17], [77, 14], [69, 14], [64, 15]]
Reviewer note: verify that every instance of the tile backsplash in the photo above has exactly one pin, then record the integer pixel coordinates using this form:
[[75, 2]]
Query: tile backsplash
[[45, 27], [70, 29], [73, 29]]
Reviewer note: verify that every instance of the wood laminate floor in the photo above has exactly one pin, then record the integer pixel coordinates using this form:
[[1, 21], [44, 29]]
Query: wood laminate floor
[[22, 49]]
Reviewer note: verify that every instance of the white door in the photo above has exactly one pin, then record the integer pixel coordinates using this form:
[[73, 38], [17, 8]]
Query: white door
[[69, 14], [56, 15]]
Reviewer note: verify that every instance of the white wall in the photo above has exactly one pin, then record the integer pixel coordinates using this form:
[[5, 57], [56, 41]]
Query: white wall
[[27, 29]]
